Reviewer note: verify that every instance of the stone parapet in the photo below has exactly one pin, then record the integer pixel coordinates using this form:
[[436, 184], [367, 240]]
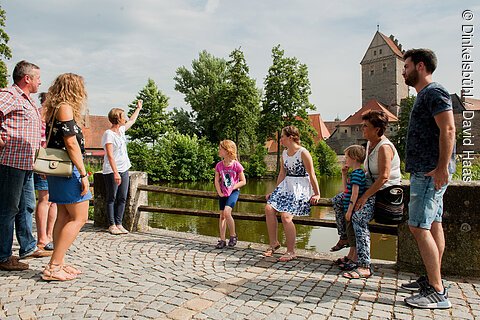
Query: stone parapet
[[133, 220], [461, 225]]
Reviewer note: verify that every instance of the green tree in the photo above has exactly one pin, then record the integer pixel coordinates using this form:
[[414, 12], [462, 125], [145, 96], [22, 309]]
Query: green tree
[[240, 113], [153, 120], [400, 139], [204, 88], [256, 166], [285, 101], [325, 160], [184, 121], [5, 52]]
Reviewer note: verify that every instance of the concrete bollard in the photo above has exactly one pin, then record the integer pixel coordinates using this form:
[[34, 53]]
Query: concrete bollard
[[133, 220], [461, 225]]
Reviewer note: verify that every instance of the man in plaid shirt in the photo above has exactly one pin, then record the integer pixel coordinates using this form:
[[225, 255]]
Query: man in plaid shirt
[[20, 129]]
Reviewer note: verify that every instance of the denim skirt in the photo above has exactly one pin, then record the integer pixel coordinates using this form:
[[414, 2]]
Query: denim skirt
[[66, 190]]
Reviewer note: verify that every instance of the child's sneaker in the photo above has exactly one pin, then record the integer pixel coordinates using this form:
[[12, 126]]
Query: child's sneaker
[[221, 244], [233, 241]]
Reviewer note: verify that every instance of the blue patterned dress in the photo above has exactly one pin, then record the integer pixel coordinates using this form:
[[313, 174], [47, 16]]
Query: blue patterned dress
[[293, 194]]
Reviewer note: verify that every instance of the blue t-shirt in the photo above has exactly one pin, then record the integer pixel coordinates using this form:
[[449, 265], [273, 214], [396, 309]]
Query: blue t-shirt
[[422, 150], [357, 177]]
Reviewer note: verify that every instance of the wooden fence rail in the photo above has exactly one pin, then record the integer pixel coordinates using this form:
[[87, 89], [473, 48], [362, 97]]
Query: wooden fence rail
[[325, 202]]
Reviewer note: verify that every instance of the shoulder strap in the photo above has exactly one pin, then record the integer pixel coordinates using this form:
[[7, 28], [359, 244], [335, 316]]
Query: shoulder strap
[[52, 121], [369, 171]]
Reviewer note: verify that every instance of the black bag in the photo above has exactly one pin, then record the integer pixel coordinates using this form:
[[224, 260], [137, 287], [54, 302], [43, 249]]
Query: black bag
[[388, 204]]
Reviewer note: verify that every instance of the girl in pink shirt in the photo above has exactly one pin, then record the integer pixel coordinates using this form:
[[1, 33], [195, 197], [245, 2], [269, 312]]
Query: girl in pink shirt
[[229, 178]]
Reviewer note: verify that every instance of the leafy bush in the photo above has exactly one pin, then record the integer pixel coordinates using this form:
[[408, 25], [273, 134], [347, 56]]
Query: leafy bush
[[325, 160], [256, 166], [174, 157]]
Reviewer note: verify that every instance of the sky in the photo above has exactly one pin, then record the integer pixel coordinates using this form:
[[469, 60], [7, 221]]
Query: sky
[[116, 45]]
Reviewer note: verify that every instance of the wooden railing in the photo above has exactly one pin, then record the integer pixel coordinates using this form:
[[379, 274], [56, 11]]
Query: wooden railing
[[377, 228]]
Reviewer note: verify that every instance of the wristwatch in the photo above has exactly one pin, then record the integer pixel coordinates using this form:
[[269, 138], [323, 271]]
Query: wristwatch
[[83, 176]]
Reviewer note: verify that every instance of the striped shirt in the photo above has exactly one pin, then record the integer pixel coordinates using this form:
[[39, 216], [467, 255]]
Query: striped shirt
[[20, 128], [355, 177]]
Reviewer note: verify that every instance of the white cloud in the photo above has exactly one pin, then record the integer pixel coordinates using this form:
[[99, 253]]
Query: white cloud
[[118, 44]]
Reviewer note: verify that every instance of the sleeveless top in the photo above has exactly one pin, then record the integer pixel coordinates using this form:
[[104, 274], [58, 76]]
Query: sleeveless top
[[293, 194], [371, 162]]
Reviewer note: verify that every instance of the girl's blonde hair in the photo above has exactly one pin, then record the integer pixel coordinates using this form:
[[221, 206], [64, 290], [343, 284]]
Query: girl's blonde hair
[[230, 147], [67, 88], [115, 115], [356, 152]]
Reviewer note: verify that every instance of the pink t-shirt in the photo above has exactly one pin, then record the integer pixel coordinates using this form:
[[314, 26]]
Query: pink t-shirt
[[229, 176]]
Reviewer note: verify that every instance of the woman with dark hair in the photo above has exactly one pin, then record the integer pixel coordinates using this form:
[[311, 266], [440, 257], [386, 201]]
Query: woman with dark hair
[[382, 166], [45, 211]]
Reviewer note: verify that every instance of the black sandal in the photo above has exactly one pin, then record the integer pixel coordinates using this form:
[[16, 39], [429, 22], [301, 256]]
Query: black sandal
[[340, 261], [348, 266], [339, 246]]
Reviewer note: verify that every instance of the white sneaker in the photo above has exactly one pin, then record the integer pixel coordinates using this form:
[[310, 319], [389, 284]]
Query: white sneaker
[[122, 229], [114, 230]]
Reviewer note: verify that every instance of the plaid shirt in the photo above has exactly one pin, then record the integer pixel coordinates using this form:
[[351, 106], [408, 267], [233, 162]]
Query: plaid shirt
[[20, 128]]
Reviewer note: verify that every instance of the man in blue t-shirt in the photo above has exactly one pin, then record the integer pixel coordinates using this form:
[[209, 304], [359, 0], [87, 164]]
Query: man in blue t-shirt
[[430, 160]]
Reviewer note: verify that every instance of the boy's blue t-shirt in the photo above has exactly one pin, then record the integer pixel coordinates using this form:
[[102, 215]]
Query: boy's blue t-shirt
[[357, 177]]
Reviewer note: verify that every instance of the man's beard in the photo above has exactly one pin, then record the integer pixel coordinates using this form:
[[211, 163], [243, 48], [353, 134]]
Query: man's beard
[[412, 79]]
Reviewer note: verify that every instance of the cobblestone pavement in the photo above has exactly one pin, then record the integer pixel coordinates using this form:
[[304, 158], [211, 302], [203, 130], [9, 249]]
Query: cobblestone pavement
[[169, 275]]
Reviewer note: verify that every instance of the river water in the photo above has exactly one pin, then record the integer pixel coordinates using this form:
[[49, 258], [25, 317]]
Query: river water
[[318, 239]]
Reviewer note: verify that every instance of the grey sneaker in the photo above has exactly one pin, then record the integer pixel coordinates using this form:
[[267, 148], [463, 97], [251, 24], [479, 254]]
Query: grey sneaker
[[429, 298], [416, 285]]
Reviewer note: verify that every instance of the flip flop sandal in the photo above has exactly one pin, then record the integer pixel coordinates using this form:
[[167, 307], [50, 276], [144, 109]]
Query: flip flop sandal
[[341, 260], [356, 274], [271, 250], [288, 256], [339, 247]]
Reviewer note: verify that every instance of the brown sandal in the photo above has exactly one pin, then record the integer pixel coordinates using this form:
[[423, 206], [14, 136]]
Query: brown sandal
[[56, 272], [271, 250], [288, 256], [72, 270]]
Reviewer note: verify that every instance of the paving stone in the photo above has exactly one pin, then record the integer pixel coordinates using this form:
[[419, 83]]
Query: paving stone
[[198, 304], [181, 314], [163, 274]]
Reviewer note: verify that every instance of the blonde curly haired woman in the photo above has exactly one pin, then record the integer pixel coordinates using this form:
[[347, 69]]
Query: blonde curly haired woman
[[65, 101]]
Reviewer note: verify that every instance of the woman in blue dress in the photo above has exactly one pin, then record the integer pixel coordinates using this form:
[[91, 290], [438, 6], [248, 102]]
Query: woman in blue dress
[[297, 188]]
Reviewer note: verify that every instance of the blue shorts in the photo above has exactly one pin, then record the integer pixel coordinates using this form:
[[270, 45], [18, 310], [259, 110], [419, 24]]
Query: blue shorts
[[230, 200], [426, 203], [66, 190], [39, 183]]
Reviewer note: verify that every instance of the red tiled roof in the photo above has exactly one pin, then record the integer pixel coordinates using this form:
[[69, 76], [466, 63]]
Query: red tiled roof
[[317, 123], [392, 45], [372, 104], [322, 130], [472, 104], [93, 131]]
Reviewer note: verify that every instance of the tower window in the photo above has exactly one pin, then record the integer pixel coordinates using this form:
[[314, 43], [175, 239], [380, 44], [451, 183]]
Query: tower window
[[372, 72], [380, 51], [374, 52], [384, 67]]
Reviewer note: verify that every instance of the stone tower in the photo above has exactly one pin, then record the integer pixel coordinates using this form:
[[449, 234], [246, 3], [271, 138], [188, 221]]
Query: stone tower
[[382, 67]]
